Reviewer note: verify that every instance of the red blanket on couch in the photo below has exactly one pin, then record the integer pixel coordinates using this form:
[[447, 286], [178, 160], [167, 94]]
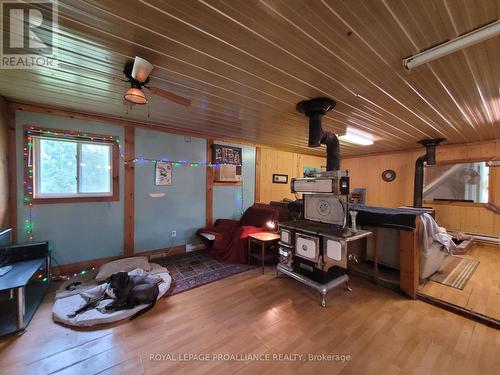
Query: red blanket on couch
[[231, 236]]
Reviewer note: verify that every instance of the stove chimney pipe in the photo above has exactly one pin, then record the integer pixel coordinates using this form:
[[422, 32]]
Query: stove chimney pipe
[[430, 159], [315, 109]]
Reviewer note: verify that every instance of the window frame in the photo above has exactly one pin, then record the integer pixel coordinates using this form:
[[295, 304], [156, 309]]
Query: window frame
[[33, 136], [492, 173]]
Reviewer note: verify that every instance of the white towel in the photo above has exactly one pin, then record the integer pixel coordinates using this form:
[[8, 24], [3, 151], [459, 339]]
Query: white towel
[[432, 232]]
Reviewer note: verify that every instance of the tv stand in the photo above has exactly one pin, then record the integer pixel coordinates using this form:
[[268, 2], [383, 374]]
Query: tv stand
[[23, 287], [4, 270]]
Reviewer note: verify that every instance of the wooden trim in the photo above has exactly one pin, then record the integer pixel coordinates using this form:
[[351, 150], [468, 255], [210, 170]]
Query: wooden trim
[[151, 125], [492, 178], [409, 261], [491, 181], [129, 195], [80, 199], [221, 183], [167, 251], [258, 158], [69, 134], [209, 190], [29, 107], [375, 255], [111, 198], [416, 149], [453, 203], [492, 322], [78, 266], [12, 172], [121, 121], [464, 161]]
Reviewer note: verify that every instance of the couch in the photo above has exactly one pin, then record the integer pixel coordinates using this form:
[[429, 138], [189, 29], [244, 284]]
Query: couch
[[228, 239]]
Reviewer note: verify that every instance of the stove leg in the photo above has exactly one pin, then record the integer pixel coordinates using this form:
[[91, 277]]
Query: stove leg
[[322, 299]]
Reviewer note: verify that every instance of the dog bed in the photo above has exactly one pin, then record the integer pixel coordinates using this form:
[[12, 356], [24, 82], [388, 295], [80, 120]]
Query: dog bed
[[67, 304]]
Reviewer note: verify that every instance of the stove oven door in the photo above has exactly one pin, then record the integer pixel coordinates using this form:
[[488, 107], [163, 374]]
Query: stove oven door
[[285, 256], [334, 252], [286, 237], [307, 247]]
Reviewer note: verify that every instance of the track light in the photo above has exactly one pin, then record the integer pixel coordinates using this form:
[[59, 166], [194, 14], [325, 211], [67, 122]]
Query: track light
[[463, 41]]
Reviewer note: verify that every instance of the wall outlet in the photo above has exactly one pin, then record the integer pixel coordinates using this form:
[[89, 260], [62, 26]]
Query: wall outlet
[[174, 233]]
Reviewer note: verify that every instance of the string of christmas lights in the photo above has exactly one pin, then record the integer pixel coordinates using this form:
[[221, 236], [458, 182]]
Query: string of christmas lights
[[72, 275], [28, 185], [72, 134], [32, 131]]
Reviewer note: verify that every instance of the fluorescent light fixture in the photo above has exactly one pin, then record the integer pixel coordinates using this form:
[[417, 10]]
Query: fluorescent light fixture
[[357, 137], [463, 41]]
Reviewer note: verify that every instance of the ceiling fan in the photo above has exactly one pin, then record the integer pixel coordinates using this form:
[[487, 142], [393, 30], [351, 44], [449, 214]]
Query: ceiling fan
[[137, 73]]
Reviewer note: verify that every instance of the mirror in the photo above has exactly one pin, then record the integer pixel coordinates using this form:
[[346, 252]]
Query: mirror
[[462, 182]]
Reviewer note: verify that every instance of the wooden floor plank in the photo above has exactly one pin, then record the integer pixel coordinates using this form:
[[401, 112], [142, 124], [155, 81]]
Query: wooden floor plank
[[381, 331], [482, 292]]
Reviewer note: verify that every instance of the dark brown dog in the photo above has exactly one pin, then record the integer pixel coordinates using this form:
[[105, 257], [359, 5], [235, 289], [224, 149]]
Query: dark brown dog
[[131, 291]]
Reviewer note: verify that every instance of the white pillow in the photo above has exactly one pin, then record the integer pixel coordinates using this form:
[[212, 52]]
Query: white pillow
[[125, 264]]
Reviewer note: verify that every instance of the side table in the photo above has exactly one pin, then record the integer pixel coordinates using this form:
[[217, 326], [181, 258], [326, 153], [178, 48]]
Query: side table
[[265, 240]]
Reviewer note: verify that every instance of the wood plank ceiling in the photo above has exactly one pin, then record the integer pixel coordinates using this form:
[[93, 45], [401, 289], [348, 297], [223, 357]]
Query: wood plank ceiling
[[245, 64]]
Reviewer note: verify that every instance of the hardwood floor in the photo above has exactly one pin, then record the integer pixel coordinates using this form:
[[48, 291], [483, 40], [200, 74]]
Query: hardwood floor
[[482, 292], [381, 331]]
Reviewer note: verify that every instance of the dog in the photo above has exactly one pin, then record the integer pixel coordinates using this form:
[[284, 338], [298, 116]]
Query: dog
[[88, 306], [130, 291]]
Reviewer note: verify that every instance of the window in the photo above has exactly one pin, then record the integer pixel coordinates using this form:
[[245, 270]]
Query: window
[[462, 182], [69, 167]]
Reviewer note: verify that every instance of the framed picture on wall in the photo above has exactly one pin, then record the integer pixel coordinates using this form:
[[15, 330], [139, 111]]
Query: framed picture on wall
[[280, 178], [226, 155], [163, 173], [311, 171]]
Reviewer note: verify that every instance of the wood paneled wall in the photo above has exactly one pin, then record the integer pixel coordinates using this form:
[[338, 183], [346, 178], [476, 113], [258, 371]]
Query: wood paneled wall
[[4, 180], [365, 172], [270, 161]]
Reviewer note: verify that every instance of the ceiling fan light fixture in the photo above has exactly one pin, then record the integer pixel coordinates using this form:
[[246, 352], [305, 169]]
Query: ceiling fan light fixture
[[141, 69], [136, 96]]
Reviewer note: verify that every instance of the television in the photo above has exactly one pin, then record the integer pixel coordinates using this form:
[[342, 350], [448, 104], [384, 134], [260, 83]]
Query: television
[[5, 250], [6, 237]]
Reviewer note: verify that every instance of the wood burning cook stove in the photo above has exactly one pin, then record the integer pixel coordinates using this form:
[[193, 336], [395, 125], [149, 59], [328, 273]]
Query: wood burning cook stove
[[313, 250]]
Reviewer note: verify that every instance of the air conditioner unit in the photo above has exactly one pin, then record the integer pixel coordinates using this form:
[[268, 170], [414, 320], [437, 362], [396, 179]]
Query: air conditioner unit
[[228, 173]]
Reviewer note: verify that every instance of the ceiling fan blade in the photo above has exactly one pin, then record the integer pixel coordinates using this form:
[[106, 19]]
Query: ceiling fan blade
[[170, 96], [141, 69]]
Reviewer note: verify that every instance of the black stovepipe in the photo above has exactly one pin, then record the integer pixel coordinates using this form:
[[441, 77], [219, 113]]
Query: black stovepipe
[[430, 159], [315, 109]]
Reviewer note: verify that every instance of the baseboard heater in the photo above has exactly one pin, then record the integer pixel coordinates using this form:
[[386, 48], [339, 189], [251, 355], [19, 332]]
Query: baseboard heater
[[482, 237]]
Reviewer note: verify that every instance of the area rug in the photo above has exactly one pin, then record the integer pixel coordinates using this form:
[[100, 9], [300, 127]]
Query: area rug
[[193, 269], [455, 271]]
